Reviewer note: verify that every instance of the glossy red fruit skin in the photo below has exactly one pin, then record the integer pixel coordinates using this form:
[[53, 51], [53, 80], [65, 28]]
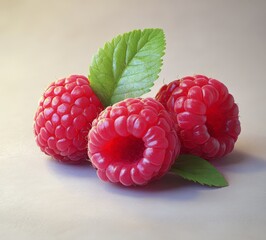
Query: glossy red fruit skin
[[63, 118], [133, 142], [206, 114]]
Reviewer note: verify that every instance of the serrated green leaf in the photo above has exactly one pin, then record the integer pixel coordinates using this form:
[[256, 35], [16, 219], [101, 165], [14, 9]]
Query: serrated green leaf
[[128, 65], [196, 169]]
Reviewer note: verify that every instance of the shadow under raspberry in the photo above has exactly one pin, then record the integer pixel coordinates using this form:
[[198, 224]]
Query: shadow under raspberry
[[240, 162], [169, 187], [84, 170]]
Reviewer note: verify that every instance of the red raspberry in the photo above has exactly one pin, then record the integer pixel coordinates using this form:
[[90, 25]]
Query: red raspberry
[[133, 142], [207, 116], [63, 118]]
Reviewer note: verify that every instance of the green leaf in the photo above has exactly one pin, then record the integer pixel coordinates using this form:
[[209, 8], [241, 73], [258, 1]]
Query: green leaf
[[128, 65], [198, 170]]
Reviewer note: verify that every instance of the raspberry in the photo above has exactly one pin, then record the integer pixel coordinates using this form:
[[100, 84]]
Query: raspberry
[[63, 118], [133, 142], [206, 114]]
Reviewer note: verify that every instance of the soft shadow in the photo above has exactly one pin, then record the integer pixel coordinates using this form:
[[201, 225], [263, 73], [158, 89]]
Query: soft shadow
[[84, 170], [241, 162], [170, 187]]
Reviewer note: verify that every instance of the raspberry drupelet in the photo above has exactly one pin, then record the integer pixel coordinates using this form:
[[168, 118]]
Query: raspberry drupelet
[[133, 142], [63, 118], [206, 114]]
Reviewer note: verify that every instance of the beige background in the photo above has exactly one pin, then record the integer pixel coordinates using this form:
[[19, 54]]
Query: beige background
[[41, 41]]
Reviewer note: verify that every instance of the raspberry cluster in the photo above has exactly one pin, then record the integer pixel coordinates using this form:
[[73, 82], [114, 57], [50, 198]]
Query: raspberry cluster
[[136, 140]]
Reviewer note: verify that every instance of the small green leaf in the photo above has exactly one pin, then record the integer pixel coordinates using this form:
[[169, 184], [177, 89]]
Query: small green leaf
[[196, 169], [128, 65]]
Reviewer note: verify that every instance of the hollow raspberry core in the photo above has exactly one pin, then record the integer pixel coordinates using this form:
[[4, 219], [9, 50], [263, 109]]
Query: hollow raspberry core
[[126, 149], [216, 121], [133, 142]]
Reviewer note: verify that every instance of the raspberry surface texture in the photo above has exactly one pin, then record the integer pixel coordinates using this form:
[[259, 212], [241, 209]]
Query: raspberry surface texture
[[133, 142], [63, 118], [206, 114]]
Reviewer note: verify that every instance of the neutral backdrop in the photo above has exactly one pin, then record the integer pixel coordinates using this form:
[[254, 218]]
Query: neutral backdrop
[[41, 41]]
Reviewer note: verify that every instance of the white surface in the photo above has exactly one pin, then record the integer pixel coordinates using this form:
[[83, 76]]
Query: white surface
[[41, 41]]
